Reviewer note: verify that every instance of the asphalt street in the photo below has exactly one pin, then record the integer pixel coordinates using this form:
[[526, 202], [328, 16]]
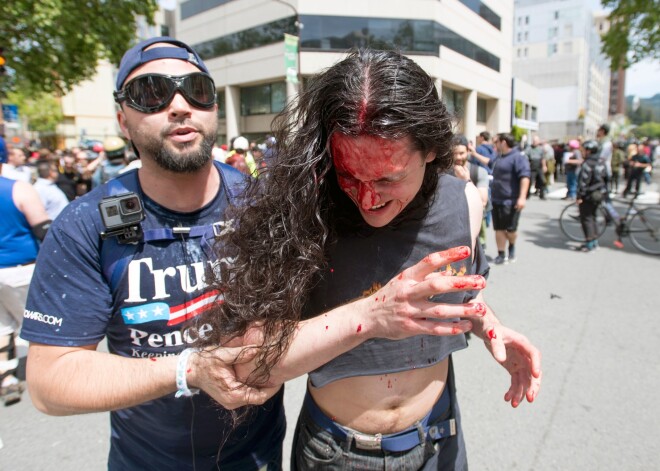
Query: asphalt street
[[592, 315]]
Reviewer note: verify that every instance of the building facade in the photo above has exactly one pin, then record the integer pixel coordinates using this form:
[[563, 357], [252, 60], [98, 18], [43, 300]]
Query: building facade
[[556, 48], [465, 45]]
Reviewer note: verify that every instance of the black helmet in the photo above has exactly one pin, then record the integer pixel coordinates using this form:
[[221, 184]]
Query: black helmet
[[592, 146]]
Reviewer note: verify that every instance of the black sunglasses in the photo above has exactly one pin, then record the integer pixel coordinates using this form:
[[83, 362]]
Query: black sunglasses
[[151, 93]]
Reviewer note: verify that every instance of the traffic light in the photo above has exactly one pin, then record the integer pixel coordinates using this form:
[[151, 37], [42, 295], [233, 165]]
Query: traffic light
[[3, 61]]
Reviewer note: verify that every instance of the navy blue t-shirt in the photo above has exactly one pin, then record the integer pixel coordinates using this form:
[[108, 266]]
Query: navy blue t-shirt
[[507, 172], [487, 151], [145, 314]]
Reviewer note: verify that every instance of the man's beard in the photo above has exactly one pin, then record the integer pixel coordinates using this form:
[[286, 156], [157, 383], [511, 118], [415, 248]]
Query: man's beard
[[187, 160]]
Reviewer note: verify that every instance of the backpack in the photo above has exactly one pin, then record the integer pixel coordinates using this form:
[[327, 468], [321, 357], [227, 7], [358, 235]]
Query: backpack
[[115, 257], [596, 184]]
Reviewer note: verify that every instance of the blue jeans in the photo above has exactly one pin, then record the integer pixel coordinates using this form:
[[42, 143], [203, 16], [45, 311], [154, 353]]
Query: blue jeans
[[571, 183], [315, 448]]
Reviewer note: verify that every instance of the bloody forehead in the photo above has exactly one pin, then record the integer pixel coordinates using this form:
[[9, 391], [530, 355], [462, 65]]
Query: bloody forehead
[[354, 155]]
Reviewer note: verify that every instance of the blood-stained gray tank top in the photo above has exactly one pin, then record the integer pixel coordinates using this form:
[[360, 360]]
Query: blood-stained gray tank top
[[360, 264]]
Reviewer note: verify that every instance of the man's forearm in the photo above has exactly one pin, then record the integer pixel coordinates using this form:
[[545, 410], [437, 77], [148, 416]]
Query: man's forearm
[[74, 381], [524, 188], [481, 158]]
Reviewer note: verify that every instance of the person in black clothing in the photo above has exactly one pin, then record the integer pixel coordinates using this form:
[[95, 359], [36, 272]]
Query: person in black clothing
[[638, 164], [69, 177], [591, 191]]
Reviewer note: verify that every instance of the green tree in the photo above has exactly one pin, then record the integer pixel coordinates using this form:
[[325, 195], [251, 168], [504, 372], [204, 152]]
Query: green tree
[[641, 115], [634, 34], [51, 45], [518, 132], [41, 110], [518, 109], [650, 130]]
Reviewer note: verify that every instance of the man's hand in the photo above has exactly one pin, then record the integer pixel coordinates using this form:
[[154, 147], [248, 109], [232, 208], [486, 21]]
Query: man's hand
[[461, 171], [520, 203], [519, 357], [213, 372], [402, 308]]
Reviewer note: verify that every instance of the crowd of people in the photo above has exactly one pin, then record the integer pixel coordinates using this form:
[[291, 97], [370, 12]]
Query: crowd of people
[[348, 245], [628, 162]]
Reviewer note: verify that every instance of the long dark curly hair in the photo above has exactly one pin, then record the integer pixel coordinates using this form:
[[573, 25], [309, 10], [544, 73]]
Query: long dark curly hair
[[282, 232]]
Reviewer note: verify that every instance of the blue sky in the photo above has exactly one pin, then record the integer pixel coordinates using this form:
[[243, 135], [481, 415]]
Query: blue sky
[[643, 79]]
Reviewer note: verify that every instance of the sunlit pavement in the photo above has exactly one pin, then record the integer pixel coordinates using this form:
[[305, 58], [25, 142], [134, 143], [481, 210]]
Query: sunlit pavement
[[650, 193]]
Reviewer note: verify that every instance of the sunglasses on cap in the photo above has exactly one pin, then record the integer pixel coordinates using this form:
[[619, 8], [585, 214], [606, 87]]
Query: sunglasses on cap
[[151, 93]]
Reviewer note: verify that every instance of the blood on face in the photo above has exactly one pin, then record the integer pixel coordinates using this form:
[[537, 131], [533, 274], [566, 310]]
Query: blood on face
[[380, 175]]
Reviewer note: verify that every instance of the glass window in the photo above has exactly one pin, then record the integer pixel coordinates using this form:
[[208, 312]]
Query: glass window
[[222, 105], [526, 35], [527, 20], [482, 106], [556, 15], [195, 7], [333, 33], [262, 35], [534, 113], [263, 99], [453, 101], [519, 37], [277, 96], [483, 11]]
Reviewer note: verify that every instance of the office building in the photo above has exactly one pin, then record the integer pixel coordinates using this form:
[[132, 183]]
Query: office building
[[556, 48], [465, 45]]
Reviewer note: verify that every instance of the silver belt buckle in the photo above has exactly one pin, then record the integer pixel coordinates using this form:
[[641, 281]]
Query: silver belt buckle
[[368, 442]]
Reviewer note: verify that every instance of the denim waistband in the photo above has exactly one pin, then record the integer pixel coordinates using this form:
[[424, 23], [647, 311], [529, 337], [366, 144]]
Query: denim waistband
[[395, 442]]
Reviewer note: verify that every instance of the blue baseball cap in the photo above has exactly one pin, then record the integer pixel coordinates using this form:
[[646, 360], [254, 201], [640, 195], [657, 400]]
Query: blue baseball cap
[[136, 56]]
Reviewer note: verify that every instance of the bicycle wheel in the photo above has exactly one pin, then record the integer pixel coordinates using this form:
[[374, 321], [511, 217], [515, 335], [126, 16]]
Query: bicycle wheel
[[569, 222], [645, 231]]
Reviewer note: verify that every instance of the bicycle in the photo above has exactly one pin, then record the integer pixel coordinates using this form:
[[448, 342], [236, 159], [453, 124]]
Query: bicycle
[[642, 225]]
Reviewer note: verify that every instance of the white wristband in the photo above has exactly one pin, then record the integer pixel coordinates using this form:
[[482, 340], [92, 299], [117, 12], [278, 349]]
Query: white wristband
[[181, 372]]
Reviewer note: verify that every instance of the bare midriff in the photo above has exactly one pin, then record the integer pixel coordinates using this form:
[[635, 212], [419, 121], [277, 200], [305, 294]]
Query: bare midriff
[[386, 403]]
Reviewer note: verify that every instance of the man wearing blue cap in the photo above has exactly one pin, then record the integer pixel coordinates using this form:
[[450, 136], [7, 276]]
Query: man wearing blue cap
[[127, 262]]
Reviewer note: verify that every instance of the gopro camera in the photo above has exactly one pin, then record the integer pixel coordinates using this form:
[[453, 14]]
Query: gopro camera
[[122, 215]]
